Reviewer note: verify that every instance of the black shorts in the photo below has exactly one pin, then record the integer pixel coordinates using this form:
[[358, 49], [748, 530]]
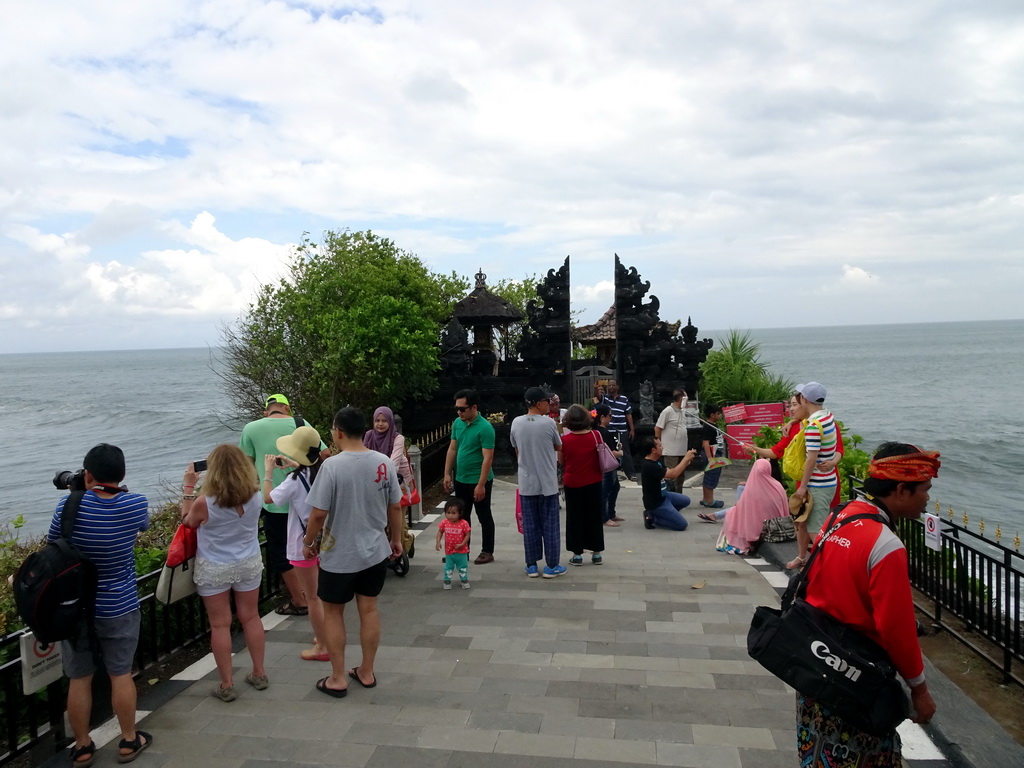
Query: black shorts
[[275, 527], [340, 588]]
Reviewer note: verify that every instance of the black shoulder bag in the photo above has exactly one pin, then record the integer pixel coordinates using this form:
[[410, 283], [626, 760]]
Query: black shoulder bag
[[826, 660]]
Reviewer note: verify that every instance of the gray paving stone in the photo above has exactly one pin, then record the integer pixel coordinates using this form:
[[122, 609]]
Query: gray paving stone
[[654, 730], [768, 758], [392, 756], [253, 747], [569, 725], [505, 721], [749, 683], [386, 735], [697, 755], [614, 709]]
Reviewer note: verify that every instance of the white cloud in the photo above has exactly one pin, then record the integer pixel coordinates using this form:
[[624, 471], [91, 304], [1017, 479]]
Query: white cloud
[[857, 277], [745, 151]]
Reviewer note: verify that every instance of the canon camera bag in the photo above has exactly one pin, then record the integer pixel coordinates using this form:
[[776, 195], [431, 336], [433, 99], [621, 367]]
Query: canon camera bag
[[55, 588], [826, 660]]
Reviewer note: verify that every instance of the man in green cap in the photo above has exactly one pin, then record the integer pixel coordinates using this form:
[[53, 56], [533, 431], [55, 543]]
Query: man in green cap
[[259, 438]]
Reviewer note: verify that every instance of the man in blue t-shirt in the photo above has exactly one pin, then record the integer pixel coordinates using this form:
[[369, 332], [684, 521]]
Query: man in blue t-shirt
[[622, 425], [109, 520]]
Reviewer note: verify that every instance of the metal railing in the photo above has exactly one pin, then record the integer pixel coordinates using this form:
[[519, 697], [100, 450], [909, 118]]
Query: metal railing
[[31, 720], [976, 580]]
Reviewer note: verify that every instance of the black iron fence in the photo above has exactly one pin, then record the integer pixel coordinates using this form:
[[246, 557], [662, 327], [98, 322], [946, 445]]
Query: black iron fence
[[32, 720], [975, 579]]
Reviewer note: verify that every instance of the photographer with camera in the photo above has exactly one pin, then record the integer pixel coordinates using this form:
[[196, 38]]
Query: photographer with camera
[[108, 521]]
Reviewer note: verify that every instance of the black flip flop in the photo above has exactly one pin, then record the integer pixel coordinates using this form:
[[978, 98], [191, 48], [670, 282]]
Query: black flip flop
[[321, 685], [354, 674]]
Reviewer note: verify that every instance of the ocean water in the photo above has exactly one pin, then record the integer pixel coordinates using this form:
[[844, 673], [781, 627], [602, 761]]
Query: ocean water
[[951, 387], [163, 408]]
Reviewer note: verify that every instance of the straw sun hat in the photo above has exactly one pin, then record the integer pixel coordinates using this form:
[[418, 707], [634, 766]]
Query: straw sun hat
[[799, 507], [302, 445]]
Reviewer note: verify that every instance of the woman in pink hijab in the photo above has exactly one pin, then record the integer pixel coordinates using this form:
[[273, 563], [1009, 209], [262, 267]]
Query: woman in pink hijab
[[762, 499]]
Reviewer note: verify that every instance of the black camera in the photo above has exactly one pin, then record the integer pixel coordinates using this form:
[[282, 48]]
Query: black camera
[[66, 480]]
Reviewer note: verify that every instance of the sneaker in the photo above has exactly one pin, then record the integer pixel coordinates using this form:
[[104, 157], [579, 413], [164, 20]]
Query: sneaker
[[596, 558], [447, 585], [465, 585], [259, 682], [532, 572], [576, 560], [550, 573], [224, 694]]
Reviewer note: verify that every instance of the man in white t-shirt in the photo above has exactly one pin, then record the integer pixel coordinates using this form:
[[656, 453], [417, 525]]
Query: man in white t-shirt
[[671, 430], [355, 495]]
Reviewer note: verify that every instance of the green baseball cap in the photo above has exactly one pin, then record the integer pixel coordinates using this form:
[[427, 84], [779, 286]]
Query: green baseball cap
[[281, 399]]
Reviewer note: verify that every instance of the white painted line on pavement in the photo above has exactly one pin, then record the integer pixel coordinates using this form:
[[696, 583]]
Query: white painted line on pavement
[[198, 669], [776, 579], [916, 744]]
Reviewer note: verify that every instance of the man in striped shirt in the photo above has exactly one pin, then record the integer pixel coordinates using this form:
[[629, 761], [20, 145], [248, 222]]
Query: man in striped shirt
[[109, 520], [819, 478]]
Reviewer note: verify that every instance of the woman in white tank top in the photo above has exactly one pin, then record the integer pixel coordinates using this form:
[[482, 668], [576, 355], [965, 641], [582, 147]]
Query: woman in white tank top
[[228, 557]]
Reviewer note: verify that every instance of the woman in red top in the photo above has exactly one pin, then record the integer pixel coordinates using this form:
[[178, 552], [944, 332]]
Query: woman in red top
[[584, 528]]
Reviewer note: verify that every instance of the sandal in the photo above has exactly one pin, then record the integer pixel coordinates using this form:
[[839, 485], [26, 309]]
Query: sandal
[[311, 654], [796, 562], [77, 752], [135, 746], [337, 693], [707, 518], [716, 504], [291, 609]]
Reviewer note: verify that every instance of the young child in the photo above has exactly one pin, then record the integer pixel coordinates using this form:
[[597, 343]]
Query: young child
[[712, 446], [455, 531]]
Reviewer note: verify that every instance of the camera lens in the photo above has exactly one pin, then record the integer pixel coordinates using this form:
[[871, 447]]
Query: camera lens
[[62, 479]]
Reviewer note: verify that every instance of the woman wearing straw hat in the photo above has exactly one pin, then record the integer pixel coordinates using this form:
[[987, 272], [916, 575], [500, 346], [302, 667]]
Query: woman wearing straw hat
[[301, 452]]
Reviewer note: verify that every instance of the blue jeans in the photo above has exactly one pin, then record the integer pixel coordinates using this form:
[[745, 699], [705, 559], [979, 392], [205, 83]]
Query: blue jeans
[[666, 514], [609, 495]]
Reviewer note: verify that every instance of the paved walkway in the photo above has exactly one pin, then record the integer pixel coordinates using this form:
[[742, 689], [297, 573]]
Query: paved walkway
[[641, 660]]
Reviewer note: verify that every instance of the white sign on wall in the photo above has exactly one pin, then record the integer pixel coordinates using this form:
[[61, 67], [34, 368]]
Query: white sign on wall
[[933, 532], [40, 665]]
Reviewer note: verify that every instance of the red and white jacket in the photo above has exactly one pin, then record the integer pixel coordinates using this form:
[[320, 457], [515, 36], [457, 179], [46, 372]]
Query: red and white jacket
[[860, 578]]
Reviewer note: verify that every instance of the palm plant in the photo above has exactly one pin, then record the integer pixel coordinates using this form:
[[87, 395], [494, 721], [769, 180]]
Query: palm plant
[[734, 373]]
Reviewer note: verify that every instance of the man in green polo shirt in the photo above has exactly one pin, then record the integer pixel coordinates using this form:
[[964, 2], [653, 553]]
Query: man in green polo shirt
[[471, 453], [258, 439]]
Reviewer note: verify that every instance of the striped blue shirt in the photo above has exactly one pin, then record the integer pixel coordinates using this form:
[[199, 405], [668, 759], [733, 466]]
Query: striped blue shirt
[[105, 531]]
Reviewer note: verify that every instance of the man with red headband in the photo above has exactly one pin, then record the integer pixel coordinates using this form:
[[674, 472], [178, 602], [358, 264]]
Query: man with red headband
[[860, 578]]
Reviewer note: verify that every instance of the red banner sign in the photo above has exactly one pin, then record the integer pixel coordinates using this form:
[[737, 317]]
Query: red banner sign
[[733, 413]]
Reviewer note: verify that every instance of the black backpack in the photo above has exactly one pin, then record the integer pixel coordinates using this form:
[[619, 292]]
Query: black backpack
[[55, 588]]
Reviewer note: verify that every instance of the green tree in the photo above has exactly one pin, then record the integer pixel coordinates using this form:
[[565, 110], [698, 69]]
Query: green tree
[[517, 293], [356, 320], [733, 372]]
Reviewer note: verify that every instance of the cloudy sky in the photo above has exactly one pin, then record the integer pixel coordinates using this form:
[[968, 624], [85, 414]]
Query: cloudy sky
[[764, 164]]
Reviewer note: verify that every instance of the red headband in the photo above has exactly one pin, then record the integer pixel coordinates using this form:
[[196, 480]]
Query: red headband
[[908, 468]]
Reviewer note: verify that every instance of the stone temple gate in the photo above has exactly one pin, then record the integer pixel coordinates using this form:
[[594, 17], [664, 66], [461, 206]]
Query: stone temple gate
[[646, 355]]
